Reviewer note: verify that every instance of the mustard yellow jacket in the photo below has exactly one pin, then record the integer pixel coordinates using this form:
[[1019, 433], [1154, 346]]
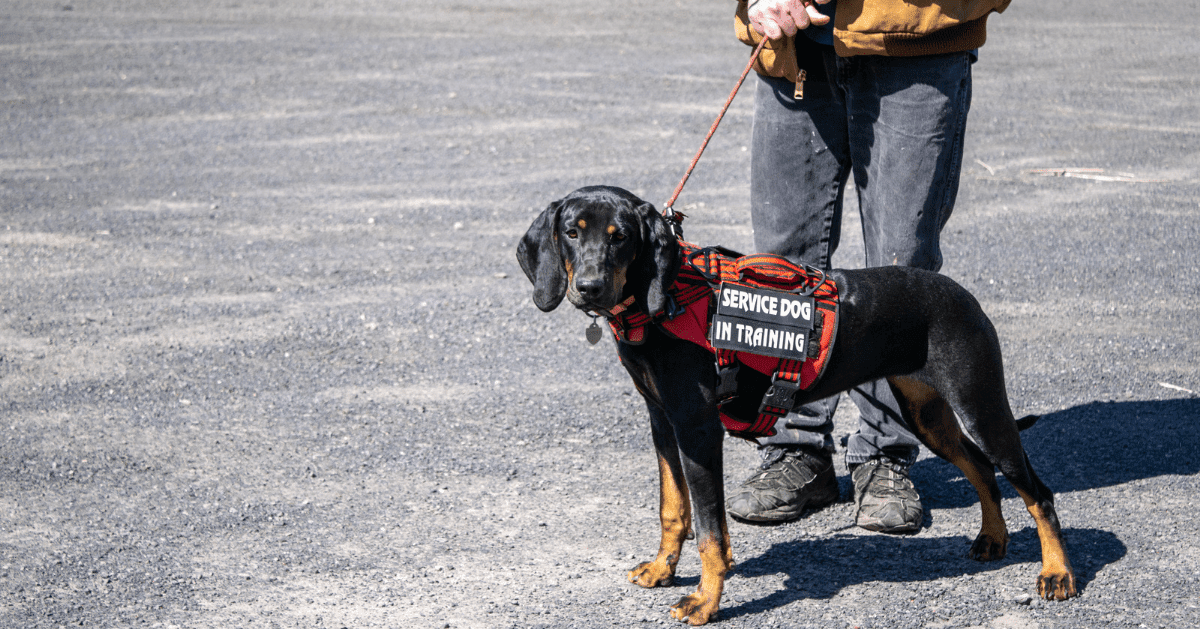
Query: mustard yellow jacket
[[896, 28]]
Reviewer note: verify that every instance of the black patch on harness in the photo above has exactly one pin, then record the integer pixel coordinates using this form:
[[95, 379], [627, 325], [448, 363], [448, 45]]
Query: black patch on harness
[[762, 321]]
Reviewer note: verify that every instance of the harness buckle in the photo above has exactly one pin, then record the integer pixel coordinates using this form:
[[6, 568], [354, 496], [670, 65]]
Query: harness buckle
[[780, 397], [726, 383], [808, 288], [711, 276], [673, 307]]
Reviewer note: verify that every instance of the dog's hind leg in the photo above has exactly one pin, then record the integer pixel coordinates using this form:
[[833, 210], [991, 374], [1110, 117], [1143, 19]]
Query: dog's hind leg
[[674, 507], [976, 392], [933, 422], [993, 428], [1057, 579]]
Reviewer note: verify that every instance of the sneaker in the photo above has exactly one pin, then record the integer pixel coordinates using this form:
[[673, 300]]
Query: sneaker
[[789, 481], [885, 498]]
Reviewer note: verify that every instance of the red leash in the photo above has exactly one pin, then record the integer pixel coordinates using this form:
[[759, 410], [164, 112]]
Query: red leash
[[669, 211]]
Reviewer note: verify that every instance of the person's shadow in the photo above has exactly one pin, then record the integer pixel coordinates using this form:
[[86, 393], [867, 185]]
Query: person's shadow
[[1094, 445]]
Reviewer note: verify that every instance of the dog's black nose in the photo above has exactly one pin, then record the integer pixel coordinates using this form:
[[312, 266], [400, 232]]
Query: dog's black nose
[[589, 289]]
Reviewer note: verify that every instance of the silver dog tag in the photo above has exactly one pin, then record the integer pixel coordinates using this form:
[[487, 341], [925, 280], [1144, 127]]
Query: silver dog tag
[[594, 333]]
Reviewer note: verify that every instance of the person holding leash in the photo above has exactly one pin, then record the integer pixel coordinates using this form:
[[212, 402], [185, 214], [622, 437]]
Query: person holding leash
[[880, 89]]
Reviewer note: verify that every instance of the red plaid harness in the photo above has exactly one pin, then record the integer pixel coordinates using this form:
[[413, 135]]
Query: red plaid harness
[[690, 314]]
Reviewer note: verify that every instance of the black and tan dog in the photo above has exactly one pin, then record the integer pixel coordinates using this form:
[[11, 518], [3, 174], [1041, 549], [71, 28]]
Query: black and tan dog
[[920, 330]]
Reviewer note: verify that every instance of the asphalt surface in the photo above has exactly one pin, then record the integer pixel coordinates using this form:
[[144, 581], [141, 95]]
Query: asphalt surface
[[267, 359]]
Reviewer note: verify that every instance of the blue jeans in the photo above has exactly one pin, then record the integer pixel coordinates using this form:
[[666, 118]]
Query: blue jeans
[[897, 123]]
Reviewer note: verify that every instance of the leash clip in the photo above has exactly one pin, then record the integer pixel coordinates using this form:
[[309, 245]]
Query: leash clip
[[674, 221]]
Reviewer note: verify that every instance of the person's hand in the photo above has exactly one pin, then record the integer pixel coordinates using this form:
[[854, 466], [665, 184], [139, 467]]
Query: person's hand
[[776, 18]]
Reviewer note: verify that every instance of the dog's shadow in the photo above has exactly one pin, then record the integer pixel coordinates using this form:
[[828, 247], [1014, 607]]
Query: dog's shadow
[[1096, 445], [820, 568], [1090, 446]]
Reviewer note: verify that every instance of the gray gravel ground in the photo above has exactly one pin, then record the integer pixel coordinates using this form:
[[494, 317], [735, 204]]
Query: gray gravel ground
[[267, 359]]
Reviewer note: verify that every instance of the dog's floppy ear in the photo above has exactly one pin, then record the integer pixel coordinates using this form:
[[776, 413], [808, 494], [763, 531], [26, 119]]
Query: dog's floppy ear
[[540, 259], [658, 261]]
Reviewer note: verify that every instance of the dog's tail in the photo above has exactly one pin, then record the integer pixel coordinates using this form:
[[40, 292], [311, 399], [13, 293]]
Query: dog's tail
[[1027, 421]]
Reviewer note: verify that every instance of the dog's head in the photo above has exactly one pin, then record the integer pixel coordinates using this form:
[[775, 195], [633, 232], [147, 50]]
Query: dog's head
[[596, 246]]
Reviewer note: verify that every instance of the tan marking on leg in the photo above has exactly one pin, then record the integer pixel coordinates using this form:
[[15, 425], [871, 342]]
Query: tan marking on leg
[[914, 393], [1057, 579], [675, 518], [938, 429], [701, 606]]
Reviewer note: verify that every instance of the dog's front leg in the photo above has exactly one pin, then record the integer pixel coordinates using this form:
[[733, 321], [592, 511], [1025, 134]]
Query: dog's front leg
[[700, 453], [677, 378], [674, 507]]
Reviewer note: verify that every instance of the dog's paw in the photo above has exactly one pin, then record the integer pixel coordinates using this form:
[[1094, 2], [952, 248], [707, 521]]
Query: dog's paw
[[1056, 586], [988, 548], [695, 609], [652, 574]]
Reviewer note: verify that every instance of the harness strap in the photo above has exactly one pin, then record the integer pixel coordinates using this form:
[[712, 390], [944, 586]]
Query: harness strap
[[727, 370]]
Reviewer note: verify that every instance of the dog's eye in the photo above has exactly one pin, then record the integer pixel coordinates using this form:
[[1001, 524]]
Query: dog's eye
[[571, 233], [618, 236]]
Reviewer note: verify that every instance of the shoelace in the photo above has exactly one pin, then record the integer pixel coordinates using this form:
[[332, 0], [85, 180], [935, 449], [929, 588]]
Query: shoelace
[[886, 471], [771, 456]]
